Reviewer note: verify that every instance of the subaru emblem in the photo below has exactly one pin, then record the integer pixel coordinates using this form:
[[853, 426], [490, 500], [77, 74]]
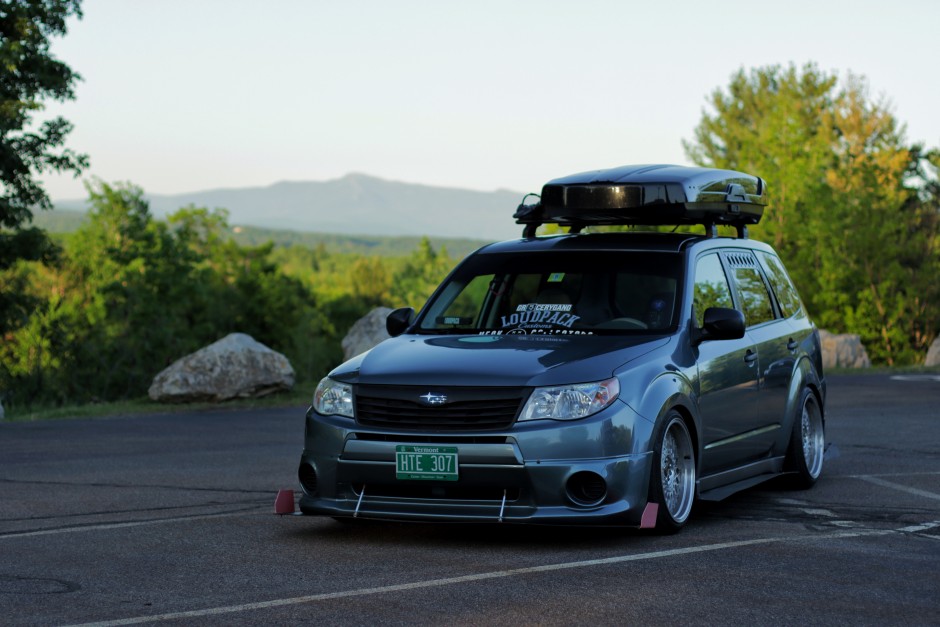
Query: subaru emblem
[[434, 399]]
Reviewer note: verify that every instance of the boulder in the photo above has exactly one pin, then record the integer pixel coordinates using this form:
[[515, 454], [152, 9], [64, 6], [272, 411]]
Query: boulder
[[933, 355], [843, 350], [236, 366], [366, 333]]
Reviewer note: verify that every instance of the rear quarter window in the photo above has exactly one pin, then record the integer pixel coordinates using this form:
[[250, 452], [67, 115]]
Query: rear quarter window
[[755, 299], [784, 290]]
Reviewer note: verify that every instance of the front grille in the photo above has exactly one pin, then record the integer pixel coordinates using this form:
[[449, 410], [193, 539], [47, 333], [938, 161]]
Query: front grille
[[464, 409]]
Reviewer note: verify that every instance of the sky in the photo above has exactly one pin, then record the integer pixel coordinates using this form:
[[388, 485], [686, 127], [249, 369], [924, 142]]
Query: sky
[[189, 95]]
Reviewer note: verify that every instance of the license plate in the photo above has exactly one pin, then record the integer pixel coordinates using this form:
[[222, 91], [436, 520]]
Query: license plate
[[434, 463]]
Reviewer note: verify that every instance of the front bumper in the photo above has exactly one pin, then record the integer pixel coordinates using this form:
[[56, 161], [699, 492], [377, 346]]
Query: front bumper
[[591, 471]]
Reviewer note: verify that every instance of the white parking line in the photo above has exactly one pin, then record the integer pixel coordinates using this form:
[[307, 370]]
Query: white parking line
[[919, 528], [888, 474], [916, 377], [435, 583], [898, 486], [124, 525]]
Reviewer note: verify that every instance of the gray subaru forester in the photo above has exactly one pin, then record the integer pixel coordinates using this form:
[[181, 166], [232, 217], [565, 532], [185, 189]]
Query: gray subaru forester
[[592, 378]]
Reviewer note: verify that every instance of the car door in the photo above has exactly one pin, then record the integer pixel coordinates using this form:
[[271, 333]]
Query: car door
[[773, 341], [727, 376]]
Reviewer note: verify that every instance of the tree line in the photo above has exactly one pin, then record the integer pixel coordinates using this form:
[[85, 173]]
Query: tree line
[[129, 294], [854, 208]]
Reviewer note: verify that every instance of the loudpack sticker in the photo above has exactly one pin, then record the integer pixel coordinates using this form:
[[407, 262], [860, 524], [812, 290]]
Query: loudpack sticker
[[540, 316]]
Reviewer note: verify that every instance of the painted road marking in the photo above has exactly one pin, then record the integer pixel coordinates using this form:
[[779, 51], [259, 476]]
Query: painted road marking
[[899, 487], [919, 528], [124, 525], [436, 583], [887, 474], [916, 377]]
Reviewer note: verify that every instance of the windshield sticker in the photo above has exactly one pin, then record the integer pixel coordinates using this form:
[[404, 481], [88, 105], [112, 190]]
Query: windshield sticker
[[556, 277], [543, 307], [541, 318], [536, 331], [453, 320]]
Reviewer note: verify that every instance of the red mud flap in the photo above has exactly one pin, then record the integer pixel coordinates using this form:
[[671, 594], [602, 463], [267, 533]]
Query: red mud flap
[[284, 503], [648, 521]]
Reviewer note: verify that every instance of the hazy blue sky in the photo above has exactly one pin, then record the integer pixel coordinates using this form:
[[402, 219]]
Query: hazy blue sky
[[184, 95]]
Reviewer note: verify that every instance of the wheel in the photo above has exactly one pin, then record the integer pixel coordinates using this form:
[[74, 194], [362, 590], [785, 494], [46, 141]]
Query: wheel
[[672, 480], [807, 443]]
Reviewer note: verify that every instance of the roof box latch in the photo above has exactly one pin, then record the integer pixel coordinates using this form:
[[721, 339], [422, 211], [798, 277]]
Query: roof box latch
[[736, 193]]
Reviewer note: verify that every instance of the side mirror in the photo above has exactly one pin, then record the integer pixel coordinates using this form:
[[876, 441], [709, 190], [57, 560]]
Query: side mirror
[[721, 323], [399, 320]]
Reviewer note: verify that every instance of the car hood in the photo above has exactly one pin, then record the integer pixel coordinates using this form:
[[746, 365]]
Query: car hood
[[506, 360]]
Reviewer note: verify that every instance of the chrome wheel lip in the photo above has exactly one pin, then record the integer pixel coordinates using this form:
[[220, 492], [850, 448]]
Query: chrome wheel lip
[[677, 470], [812, 437]]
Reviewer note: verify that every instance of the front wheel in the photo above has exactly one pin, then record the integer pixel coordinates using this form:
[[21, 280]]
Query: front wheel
[[672, 480], [807, 442]]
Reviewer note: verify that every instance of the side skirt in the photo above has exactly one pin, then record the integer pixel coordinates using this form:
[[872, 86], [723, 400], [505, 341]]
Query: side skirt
[[723, 484]]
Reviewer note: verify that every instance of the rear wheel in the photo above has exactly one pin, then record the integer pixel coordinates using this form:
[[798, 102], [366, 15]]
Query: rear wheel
[[672, 480], [807, 442]]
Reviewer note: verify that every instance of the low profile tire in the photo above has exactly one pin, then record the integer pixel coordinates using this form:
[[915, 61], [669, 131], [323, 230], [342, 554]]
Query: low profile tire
[[807, 443], [672, 479]]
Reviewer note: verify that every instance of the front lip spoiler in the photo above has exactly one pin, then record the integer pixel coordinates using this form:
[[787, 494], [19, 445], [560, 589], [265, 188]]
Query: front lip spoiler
[[618, 514]]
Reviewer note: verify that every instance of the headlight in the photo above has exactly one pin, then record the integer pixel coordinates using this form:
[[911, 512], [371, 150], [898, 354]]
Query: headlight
[[333, 398], [570, 402]]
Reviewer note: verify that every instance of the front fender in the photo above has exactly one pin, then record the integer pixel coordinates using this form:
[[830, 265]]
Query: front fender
[[668, 390]]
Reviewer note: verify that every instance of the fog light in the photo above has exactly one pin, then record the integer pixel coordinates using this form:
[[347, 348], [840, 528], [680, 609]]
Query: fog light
[[308, 479], [586, 488]]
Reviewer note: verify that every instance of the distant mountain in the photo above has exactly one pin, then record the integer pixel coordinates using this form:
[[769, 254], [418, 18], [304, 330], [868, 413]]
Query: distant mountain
[[62, 221], [356, 204]]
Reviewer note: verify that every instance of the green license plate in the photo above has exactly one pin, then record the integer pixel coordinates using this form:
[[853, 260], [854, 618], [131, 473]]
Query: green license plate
[[434, 463]]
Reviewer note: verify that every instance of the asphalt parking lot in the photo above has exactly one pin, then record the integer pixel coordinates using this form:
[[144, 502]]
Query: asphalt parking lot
[[168, 518]]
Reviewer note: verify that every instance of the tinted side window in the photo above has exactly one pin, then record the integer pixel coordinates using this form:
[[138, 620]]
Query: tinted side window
[[787, 296], [711, 287], [755, 299]]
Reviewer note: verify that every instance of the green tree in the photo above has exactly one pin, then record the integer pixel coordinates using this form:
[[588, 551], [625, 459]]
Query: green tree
[[132, 281], [771, 122], [421, 273], [845, 211], [29, 75]]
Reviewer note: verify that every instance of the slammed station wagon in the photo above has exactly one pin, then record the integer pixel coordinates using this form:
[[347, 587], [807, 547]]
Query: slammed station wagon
[[607, 378]]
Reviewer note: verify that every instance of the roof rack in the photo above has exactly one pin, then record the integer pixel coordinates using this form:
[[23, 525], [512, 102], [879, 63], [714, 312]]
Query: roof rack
[[647, 195]]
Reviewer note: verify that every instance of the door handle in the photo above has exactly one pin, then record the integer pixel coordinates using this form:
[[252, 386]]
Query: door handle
[[750, 356], [792, 344]]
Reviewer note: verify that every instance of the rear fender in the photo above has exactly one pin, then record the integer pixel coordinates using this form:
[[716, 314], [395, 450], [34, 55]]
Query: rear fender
[[804, 375]]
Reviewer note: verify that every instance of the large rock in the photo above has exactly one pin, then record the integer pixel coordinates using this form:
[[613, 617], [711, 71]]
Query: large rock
[[843, 350], [933, 355], [366, 333], [236, 366]]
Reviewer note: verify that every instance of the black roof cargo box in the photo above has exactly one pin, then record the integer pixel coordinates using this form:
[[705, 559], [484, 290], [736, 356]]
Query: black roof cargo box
[[648, 195]]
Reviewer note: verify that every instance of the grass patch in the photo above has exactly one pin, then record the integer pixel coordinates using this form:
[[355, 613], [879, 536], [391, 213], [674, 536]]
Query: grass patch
[[300, 395]]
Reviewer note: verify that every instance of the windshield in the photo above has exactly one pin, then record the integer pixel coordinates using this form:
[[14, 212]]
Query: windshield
[[557, 293]]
